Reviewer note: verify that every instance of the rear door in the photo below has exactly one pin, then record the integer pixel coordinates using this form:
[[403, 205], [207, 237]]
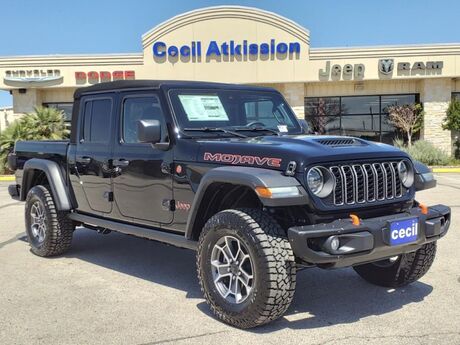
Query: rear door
[[142, 183], [93, 151]]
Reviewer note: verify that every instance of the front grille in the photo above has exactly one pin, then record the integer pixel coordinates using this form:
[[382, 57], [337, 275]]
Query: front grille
[[369, 182]]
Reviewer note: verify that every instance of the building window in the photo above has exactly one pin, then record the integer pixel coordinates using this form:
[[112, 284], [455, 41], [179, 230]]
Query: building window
[[360, 116], [456, 95], [65, 107]]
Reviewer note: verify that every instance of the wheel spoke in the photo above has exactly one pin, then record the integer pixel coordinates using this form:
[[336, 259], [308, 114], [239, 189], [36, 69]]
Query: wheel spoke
[[228, 245], [222, 269], [236, 290], [227, 255], [245, 276]]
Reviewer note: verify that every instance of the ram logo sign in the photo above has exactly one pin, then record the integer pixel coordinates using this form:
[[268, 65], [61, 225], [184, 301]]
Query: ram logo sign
[[386, 66]]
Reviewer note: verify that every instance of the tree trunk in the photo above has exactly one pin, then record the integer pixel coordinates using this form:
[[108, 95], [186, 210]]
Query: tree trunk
[[409, 139]]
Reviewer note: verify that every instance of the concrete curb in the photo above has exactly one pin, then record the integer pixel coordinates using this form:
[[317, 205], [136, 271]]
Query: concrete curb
[[7, 178], [446, 170]]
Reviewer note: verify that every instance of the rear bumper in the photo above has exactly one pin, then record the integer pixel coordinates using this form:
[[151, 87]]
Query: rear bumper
[[366, 242]]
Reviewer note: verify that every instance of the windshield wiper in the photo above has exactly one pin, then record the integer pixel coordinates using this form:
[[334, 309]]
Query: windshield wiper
[[215, 129], [257, 129]]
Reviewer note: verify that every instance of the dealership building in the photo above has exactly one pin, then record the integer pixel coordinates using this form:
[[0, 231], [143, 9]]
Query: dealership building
[[337, 90]]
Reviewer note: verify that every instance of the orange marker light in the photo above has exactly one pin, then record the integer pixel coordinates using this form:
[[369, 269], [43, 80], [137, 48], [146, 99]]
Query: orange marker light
[[264, 192], [355, 219], [424, 208]]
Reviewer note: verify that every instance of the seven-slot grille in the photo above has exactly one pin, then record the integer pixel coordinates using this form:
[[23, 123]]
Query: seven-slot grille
[[367, 182]]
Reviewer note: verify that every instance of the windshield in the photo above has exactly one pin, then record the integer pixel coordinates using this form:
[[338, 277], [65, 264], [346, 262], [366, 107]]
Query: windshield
[[240, 111]]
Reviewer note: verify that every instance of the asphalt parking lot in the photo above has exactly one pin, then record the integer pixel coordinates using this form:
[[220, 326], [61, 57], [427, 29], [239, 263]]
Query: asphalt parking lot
[[117, 289]]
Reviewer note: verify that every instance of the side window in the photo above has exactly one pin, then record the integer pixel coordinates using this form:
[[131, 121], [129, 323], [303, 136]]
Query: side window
[[140, 108], [97, 115]]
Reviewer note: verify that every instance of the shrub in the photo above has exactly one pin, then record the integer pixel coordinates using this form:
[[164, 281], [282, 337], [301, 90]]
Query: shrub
[[425, 152], [44, 123]]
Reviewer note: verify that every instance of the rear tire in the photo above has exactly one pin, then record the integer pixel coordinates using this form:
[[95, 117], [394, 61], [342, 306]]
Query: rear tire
[[49, 231], [407, 269], [269, 262]]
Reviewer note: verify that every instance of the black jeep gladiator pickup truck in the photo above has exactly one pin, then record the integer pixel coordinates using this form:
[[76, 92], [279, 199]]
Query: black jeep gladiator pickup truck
[[227, 170]]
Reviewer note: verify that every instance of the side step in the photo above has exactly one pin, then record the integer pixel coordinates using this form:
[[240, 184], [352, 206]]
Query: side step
[[139, 231]]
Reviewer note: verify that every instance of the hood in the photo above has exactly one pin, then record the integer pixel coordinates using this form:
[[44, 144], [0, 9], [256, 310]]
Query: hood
[[277, 151]]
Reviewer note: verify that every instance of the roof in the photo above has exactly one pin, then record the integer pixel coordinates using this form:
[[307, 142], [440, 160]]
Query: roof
[[156, 84]]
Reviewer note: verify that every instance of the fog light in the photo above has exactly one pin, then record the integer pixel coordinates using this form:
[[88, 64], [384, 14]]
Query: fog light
[[334, 242]]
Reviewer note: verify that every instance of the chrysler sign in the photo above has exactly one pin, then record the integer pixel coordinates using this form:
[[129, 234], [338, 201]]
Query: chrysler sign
[[31, 77]]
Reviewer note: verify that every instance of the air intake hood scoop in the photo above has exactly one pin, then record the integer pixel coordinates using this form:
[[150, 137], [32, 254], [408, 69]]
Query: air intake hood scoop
[[341, 141]]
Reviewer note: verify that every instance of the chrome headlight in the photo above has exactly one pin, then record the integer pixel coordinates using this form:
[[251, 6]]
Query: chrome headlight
[[406, 173], [320, 181]]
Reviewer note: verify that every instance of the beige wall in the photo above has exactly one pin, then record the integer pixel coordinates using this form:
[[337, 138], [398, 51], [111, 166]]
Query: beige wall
[[435, 96], [7, 116]]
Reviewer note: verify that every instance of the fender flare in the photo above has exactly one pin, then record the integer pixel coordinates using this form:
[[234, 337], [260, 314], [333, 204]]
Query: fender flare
[[424, 178], [56, 180], [252, 178]]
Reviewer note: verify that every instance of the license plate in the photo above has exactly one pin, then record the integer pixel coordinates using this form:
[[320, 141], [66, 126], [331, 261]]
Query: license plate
[[404, 231]]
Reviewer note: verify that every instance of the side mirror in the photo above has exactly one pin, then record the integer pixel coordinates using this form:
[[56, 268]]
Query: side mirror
[[149, 131]]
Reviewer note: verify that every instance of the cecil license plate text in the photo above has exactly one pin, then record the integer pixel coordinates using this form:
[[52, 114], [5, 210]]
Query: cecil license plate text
[[403, 231]]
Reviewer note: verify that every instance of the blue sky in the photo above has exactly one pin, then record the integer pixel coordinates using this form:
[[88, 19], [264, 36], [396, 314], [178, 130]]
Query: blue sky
[[115, 26]]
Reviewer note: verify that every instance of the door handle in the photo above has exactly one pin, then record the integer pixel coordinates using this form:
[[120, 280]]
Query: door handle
[[120, 162], [84, 160]]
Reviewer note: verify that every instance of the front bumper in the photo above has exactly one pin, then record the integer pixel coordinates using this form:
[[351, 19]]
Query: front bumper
[[366, 242]]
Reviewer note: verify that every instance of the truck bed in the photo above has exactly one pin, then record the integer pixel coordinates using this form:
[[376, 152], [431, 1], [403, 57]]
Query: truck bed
[[55, 150]]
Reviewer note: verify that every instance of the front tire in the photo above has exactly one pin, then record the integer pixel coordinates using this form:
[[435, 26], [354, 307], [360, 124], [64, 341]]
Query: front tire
[[406, 269], [246, 267], [49, 231]]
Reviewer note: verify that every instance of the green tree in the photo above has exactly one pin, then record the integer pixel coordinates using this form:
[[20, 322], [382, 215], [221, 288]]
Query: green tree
[[452, 119], [43, 124], [452, 122], [408, 118]]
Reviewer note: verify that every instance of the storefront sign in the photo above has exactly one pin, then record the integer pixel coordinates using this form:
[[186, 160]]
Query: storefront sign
[[94, 77], [195, 50], [339, 72], [386, 67], [27, 77]]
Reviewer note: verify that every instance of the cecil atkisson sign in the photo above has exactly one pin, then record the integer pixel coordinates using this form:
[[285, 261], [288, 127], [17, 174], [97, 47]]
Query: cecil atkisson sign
[[216, 50]]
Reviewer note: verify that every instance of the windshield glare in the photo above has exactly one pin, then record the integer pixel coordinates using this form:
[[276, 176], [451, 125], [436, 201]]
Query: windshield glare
[[236, 110]]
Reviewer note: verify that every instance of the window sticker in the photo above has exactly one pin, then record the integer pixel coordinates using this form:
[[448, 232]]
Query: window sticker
[[203, 108], [283, 128]]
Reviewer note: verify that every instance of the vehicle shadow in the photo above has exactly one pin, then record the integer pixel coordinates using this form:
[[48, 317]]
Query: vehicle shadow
[[323, 298], [141, 258]]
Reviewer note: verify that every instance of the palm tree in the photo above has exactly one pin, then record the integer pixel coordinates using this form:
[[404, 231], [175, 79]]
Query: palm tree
[[43, 124]]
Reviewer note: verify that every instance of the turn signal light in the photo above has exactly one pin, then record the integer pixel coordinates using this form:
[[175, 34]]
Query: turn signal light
[[264, 192], [277, 192]]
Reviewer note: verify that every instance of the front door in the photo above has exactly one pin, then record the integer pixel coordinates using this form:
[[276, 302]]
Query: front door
[[93, 152], [142, 184]]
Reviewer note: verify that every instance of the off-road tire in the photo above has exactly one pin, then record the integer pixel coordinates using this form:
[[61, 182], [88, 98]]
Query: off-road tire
[[273, 261], [59, 228], [407, 269]]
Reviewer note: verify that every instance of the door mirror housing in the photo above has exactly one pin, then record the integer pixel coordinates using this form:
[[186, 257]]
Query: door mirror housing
[[149, 131]]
